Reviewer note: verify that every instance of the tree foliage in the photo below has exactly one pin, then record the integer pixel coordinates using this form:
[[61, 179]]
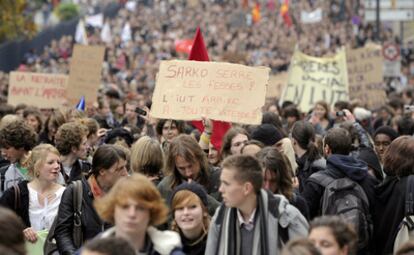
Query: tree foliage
[[67, 11], [14, 22]]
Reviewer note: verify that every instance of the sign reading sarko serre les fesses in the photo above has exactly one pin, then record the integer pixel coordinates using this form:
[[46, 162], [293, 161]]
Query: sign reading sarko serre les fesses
[[188, 90]]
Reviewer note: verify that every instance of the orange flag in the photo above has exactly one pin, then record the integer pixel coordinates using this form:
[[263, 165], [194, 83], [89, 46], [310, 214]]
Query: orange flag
[[256, 13]]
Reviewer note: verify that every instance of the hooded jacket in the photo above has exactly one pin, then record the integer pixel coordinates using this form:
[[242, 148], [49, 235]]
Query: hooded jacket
[[340, 166]]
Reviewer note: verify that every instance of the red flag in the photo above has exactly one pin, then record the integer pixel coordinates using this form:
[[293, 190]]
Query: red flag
[[183, 46], [284, 12], [199, 53]]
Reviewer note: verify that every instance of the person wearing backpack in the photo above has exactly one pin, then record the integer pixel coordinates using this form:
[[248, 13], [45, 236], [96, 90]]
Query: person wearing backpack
[[390, 208], [251, 220], [344, 188]]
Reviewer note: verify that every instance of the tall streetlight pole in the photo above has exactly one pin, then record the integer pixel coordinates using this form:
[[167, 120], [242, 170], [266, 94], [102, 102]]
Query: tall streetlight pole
[[378, 20]]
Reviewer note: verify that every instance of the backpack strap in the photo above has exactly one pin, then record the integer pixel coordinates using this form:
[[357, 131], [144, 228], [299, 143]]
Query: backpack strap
[[321, 178], [77, 206], [409, 196]]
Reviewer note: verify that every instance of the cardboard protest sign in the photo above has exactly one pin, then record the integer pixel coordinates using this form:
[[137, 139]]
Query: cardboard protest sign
[[276, 85], [312, 79], [37, 89], [85, 73], [365, 76], [188, 90]]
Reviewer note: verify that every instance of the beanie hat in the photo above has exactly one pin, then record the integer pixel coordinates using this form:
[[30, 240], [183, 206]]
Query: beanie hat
[[119, 132], [267, 134], [369, 156], [193, 187], [386, 130]]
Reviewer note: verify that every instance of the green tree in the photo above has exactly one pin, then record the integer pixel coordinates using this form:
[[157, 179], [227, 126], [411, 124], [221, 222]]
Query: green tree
[[14, 23], [67, 11]]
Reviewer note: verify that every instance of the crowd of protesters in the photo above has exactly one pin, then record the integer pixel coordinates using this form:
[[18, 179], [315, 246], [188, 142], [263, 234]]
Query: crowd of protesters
[[160, 186]]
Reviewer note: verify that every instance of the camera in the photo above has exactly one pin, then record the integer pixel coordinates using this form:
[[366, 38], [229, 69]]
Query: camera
[[140, 111], [340, 114]]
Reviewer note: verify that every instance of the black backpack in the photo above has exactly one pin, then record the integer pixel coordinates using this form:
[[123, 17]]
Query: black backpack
[[346, 198]]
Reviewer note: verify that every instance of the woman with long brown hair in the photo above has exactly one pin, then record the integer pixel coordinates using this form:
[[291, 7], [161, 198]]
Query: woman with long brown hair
[[277, 177]]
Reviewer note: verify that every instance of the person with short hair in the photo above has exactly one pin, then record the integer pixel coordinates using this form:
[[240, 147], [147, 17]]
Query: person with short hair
[[16, 140], [300, 247], [135, 207], [251, 219], [11, 231], [383, 137], [337, 145], [147, 158], [167, 130], [109, 164], [71, 141], [332, 235], [108, 246], [131, 116]]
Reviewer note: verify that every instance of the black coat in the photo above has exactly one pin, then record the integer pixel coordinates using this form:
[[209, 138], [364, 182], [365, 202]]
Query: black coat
[[91, 223], [190, 248], [306, 168], [22, 210], [79, 170], [389, 212]]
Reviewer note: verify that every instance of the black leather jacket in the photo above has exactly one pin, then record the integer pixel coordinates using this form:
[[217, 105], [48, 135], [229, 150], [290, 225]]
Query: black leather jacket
[[91, 223]]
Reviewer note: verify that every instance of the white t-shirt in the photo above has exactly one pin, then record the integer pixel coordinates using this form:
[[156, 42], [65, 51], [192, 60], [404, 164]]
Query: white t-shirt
[[42, 217]]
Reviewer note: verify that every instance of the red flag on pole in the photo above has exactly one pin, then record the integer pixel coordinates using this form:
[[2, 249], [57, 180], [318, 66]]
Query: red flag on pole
[[284, 12], [199, 53]]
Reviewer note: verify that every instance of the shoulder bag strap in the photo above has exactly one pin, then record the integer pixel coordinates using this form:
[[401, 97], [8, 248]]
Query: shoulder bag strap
[[77, 220], [16, 197]]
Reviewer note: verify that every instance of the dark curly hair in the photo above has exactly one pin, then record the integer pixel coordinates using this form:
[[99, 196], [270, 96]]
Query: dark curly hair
[[69, 136], [18, 134]]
